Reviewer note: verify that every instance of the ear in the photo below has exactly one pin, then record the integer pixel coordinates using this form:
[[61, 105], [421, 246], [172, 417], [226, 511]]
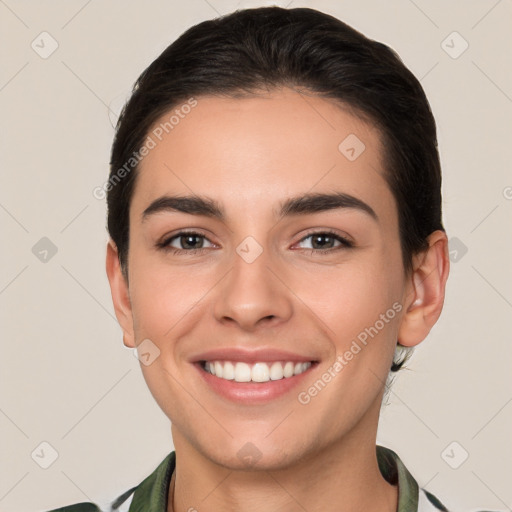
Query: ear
[[120, 294], [425, 292]]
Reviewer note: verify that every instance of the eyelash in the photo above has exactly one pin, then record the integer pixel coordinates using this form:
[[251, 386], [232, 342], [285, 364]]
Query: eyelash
[[345, 243]]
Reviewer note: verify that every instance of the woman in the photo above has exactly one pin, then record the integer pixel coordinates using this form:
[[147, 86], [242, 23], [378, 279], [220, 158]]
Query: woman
[[277, 249]]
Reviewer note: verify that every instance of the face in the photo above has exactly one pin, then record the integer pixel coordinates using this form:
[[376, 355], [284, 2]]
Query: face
[[304, 298]]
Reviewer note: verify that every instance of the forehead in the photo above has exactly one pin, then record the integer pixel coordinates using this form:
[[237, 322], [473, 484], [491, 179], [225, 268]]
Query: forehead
[[256, 150]]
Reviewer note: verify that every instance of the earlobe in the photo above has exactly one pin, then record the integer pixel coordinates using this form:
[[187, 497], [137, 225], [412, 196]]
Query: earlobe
[[425, 298], [120, 294]]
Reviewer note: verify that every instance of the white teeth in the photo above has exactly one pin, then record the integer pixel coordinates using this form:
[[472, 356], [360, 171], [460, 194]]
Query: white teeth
[[288, 369], [218, 369], [276, 371], [258, 372], [211, 368], [242, 372], [228, 371]]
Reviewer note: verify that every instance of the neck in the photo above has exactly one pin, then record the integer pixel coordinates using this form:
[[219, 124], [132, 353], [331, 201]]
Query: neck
[[342, 477]]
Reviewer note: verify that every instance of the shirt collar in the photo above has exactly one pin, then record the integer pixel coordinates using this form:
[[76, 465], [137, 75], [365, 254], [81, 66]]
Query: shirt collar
[[394, 471]]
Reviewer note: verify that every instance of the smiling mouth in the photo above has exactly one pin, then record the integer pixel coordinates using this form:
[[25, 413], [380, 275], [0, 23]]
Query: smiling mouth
[[257, 372]]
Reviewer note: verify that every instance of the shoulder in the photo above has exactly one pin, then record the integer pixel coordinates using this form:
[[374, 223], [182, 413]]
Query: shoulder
[[151, 491], [78, 507], [120, 504], [411, 497], [427, 502]]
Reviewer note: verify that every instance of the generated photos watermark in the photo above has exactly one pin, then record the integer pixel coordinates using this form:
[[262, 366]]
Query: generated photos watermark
[[342, 360], [151, 142]]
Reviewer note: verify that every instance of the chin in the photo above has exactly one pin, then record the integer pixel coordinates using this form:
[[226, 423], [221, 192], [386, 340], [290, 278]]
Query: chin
[[254, 456]]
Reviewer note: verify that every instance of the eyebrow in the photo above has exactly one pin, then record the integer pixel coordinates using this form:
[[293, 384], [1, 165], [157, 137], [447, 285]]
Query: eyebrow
[[300, 205]]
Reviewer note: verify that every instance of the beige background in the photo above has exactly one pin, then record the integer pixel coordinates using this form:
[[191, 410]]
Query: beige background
[[66, 378]]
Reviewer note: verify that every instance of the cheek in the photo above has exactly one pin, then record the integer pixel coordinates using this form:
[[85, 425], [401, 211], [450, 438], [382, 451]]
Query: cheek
[[164, 298], [360, 305], [353, 296]]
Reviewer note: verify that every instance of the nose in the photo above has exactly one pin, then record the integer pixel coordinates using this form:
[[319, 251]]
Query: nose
[[253, 294]]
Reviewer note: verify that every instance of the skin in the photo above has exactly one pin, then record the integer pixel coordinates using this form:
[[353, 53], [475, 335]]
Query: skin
[[249, 154]]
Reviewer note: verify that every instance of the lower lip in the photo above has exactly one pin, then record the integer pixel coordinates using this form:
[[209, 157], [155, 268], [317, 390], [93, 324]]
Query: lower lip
[[252, 392]]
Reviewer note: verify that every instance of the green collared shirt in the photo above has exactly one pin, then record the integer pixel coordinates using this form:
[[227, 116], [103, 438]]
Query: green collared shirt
[[152, 493]]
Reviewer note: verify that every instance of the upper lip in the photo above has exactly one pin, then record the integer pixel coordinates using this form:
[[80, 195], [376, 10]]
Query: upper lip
[[250, 356]]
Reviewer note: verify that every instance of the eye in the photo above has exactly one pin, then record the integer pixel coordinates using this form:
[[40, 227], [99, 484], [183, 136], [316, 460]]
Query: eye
[[184, 241], [323, 241]]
